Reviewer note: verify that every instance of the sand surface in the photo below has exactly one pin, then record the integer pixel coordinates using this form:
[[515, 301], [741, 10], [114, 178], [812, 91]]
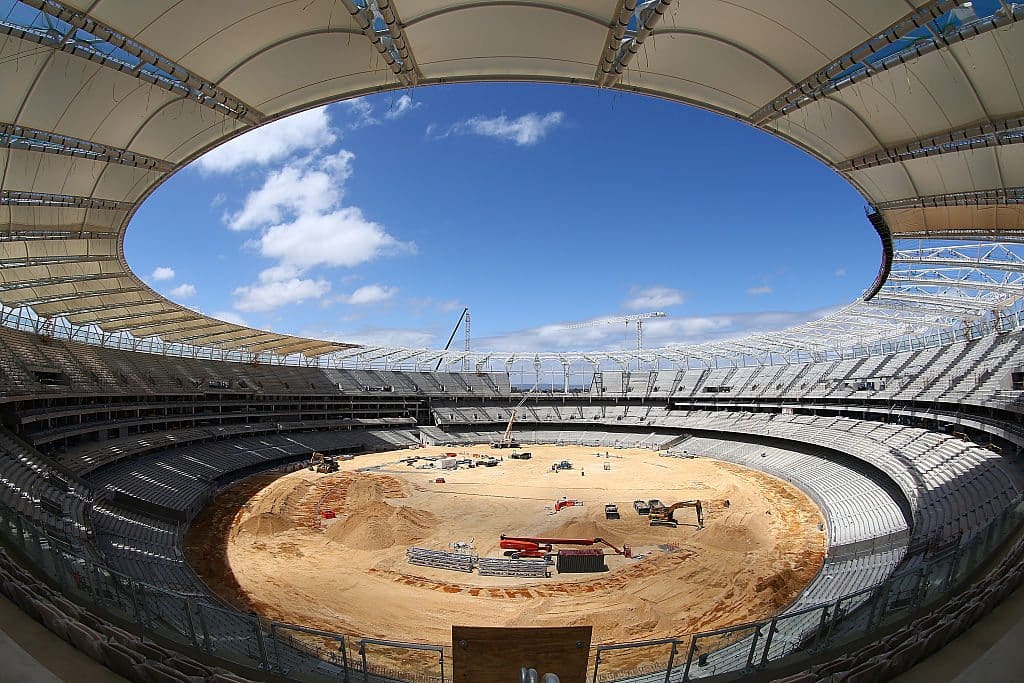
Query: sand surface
[[262, 545]]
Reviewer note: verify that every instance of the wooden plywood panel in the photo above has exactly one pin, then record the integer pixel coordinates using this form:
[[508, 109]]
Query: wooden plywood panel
[[495, 655]]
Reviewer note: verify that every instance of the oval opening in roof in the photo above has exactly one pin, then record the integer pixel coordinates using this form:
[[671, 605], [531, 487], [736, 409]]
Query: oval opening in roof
[[378, 219]]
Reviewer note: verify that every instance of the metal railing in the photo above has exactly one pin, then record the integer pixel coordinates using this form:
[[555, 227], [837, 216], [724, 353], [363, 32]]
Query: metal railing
[[371, 357]]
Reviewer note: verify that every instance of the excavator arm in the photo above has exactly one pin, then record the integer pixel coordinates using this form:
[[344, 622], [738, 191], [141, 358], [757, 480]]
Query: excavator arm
[[668, 514], [548, 542], [508, 430]]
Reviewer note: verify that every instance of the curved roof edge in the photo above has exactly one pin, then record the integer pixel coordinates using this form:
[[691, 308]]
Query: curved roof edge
[[885, 235]]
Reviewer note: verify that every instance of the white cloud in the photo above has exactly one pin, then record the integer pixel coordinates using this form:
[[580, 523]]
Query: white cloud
[[763, 289], [303, 131], [657, 332], [449, 306], [526, 130], [269, 294], [341, 238], [371, 294], [162, 273], [654, 298], [840, 272], [400, 107], [230, 317], [302, 188], [362, 113], [302, 223], [183, 291]]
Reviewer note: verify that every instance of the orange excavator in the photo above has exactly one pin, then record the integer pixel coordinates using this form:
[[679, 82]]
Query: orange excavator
[[533, 546]]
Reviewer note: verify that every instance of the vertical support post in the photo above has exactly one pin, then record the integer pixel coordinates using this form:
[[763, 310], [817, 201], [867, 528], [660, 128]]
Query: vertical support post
[[883, 602], [597, 665], [362, 654], [753, 648], [822, 627], [922, 587], [261, 645], [689, 658], [189, 623], [133, 594], [344, 656], [768, 642], [671, 661], [207, 645]]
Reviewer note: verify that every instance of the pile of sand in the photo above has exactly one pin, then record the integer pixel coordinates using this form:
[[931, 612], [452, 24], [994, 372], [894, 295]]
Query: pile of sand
[[264, 525], [629, 617], [377, 525], [363, 491]]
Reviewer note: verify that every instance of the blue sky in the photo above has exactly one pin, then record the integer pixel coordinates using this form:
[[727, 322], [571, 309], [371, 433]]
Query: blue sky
[[376, 220]]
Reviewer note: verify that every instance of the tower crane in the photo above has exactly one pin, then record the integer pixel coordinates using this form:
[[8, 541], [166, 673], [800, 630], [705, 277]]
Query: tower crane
[[638, 318]]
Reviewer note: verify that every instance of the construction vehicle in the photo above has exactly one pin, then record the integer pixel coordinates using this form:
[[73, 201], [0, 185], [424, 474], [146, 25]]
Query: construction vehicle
[[318, 462], [611, 511], [519, 549], [559, 466], [506, 440], [654, 504], [665, 516], [567, 503], [521, 456], [532, 546], [641, 507]]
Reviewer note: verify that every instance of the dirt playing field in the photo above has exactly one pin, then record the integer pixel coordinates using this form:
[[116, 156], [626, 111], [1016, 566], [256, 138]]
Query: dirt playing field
[[262, 546]]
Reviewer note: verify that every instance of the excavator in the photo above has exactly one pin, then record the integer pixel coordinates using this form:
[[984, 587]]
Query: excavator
[[318, 462], [665, 516], [532, 546]]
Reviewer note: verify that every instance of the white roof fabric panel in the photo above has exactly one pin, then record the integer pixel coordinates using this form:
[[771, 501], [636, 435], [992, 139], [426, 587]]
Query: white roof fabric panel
[[16, 274], [704, 69], [314, 68], [996, 68], [26, 170], [513, 40], [56, 218], [994, 218], [21, 249]]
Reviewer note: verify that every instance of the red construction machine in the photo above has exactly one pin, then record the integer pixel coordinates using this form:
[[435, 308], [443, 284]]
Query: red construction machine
[[533, 546], [566, 503]]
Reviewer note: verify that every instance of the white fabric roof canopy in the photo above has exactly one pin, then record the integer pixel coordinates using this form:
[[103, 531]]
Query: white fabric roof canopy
[[929, 134]]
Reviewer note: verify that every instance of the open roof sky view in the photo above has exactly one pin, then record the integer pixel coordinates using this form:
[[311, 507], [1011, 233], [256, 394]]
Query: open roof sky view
[[376, 220]]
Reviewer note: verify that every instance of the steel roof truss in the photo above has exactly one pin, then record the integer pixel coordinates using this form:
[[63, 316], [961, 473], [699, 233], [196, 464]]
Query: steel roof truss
[[19, 137]]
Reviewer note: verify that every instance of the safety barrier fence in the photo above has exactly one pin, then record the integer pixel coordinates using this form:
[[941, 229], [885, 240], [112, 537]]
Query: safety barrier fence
[[202, 625]]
